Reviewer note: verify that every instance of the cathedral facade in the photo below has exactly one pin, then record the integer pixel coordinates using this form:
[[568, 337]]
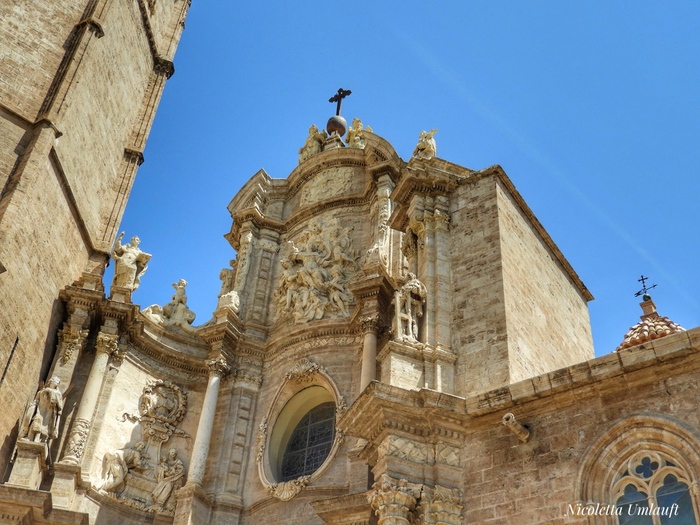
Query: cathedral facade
[[395, 342]]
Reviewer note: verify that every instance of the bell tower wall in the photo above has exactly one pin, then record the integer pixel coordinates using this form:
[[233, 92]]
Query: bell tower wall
[[79, 86], [519, 309]]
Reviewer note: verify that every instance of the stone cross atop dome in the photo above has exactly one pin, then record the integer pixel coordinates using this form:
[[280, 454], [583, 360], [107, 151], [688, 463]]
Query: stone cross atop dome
[[652, 325]]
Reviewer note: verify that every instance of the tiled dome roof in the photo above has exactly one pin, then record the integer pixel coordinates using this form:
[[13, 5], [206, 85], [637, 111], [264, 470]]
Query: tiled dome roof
[[652, 326]]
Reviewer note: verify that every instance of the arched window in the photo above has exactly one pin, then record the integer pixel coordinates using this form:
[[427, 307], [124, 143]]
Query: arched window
[[646, 467], [310, 443], [652, 490]]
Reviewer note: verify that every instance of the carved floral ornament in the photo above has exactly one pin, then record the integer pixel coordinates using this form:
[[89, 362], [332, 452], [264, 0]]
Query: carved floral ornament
[[398, 502], [304, 376]]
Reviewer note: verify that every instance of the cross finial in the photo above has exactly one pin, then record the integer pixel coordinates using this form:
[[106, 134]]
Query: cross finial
[[645, 289], [338, 97]]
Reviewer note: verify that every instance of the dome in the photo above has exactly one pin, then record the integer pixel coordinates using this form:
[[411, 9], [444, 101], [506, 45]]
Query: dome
[[652, 326]]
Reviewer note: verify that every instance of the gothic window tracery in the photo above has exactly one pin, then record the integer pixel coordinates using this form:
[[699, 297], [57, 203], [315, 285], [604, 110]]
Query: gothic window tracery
[[653, 490]]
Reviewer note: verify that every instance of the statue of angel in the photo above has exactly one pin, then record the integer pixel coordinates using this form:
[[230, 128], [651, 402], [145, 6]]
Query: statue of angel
[[313, 144]]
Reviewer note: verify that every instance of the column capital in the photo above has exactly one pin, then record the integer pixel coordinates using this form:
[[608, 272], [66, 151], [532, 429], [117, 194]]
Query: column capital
[[218, 367], [370, 324], [107, 343], [394, 500], [440, 505]]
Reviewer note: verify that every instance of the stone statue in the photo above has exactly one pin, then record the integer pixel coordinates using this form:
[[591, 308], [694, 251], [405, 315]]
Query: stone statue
[[228, 277], [116, 464], [426, 147], [313, 144], [43, 415], [170, 475], [356, 138], [175, 313], [130, 263], [408, 302]]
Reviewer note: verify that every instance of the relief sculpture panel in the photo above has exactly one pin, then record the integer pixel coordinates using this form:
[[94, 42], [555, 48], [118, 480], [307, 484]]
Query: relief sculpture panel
[[315, 273]]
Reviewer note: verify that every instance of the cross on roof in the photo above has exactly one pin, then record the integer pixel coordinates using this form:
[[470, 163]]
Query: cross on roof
[[338, 97], [644, 289]]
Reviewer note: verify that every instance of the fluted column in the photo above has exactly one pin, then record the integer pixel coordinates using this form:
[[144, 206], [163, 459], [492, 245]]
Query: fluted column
[[218, 368], [107, 345], [370, 328], [394, 500]]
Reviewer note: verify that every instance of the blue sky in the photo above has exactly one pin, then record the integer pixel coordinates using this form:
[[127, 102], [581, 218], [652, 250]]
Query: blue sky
[[592, 108]]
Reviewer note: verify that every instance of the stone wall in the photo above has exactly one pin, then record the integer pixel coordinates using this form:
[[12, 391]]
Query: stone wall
[[518, 308], [79, 85]]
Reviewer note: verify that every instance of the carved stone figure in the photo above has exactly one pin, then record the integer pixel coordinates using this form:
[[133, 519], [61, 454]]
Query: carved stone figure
[[175, 313], [43, 415], [356, 138], [315, 274], [426, 147], [130, 263], [408, 303], [116, 464], [170, 474], [228, 277], [313, 144]]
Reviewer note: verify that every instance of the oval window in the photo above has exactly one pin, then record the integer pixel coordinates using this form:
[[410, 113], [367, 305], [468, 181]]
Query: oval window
[[310, 442]]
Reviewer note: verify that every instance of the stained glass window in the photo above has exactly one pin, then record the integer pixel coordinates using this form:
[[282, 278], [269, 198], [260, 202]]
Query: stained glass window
[[310, 443]]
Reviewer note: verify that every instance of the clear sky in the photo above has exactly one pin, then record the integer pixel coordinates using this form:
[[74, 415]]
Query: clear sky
[[592, 108]]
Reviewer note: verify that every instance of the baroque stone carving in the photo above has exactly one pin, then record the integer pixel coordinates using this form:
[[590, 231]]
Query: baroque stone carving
[[408, 304], [288, 489], [313, 144], [303, 371], [261, 440], [170, 475], [404, 448], [162, 406], [175, 313], [426, 147], [219, 367], [315, 274], [327, 184], [116, 464], [130, 263], [356, 138], [228, 277], [107, 343], [394, 500], [78, 437], [71, 341], [43, 415], [440, 506]]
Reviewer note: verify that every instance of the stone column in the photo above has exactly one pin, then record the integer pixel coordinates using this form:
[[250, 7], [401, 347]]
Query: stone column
[[370, 327], [394, 500], [218, 368], [107, 345]]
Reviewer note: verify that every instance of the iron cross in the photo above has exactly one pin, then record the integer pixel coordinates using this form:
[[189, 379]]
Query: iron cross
[[338, 97], [644, 289]]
